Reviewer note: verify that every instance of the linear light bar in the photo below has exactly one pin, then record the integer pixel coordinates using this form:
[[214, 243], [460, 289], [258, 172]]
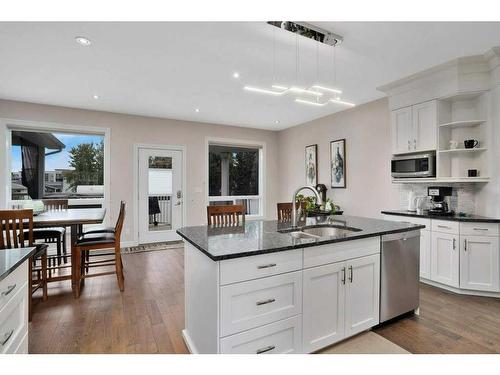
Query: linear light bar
[[278, 87], [298, 90], [303, 101], [263, 91], [335, 91], [338, 101]]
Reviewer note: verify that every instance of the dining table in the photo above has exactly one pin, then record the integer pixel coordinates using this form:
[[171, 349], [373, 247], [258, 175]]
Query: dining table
[[74, 218]]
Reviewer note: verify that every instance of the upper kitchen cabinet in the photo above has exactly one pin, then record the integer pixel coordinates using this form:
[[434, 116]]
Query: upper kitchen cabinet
[[414, 128]]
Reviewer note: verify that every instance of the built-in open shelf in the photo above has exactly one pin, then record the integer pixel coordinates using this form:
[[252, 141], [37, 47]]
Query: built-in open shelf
[[463, 150], [462, 124], [443, 180], [464, 95]]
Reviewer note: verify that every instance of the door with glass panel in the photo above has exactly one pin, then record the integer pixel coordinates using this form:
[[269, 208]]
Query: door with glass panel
[[160, 194]]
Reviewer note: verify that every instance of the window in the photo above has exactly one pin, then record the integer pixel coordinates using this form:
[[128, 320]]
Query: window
[[57, 165], [234, 176]]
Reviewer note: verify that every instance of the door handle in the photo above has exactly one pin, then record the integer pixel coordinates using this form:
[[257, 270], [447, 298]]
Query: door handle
[[465, 245], [343, 275], [266, 266], [351, 275], [414, 144], [454, 244], [408, 144]]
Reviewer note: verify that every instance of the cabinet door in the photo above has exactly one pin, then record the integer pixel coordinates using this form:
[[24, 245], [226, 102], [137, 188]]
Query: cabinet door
[[362, 294], [445, 258], [323, 309], [425, 254], [424, 117], [401, 130], [479, 263]]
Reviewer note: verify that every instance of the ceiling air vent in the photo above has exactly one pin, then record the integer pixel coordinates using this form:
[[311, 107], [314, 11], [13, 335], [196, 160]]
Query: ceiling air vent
[[309, 31]]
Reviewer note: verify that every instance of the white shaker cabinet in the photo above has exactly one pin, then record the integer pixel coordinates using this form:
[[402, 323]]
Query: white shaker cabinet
[[402, 130], [323, 306], [425, 254], [479, 263], [445, 258], [414, 128], [424, 118]]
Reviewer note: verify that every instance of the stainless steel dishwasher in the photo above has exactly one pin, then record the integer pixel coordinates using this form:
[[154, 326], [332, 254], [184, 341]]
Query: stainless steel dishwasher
[[399, 274]]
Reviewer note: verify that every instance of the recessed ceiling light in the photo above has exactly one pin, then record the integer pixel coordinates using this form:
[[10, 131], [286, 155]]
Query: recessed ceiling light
[[236, 75], [81, 40], [197, 110], [276, 122], [95, 97]]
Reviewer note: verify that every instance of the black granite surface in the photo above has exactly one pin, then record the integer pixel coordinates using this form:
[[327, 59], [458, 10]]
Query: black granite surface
[[455, 217], [10, 259], [260, 237]]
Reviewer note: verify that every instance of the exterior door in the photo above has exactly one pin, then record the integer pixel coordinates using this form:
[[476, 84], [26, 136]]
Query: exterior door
[[160, 194], [323, 307], [479, 263], [445, 259], [362, 294]]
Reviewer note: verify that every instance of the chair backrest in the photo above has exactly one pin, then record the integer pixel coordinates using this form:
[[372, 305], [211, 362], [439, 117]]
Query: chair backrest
[[13, 224], [285, 210], [119, 222], [226, 215], [55, 204]]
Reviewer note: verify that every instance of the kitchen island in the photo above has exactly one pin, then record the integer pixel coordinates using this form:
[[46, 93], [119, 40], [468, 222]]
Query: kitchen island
[[265, 287]]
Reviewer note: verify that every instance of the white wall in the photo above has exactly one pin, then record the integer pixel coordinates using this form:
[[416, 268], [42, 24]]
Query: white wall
[[368, 153], [127, 130]]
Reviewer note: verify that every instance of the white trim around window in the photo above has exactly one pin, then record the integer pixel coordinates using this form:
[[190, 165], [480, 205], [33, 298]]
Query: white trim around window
[[262, 172], [6, 127]]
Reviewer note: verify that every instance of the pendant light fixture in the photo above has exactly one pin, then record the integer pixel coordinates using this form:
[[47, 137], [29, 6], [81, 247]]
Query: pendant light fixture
[[317, 94]]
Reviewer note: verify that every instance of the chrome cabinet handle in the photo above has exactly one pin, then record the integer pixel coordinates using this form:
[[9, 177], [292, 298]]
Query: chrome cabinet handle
[[454, 244], [481, 229], [9, 290], [414, 144], [465, 245], [265, 302], [350, 277], [266, 349], [444, 227], [266, 266], [7, 337], [343, 275], [408, 144]]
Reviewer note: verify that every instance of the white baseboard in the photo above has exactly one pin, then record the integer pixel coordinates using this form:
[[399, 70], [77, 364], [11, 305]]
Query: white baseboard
[[460, 291], [129, 243], [189, 343]]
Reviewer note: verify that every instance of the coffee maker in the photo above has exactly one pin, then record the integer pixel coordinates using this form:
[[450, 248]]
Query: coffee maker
[[440, 200]]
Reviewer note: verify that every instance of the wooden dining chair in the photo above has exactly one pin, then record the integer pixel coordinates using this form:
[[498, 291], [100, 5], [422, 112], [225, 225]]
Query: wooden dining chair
[[226, 215], [285, 210], [16, 231], [89, 242]]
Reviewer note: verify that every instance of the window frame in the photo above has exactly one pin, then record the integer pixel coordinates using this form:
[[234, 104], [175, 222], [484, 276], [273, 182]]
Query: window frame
[[261, 146]]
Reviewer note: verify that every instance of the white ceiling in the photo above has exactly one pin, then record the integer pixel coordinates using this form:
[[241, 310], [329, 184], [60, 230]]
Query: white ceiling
[[169, 69]]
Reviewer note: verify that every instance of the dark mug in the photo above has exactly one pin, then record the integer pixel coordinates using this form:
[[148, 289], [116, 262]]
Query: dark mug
[[472, 173], [470, 143]]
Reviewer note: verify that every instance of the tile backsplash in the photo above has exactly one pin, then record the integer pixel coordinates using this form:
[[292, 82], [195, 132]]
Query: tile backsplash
[[462, 199]]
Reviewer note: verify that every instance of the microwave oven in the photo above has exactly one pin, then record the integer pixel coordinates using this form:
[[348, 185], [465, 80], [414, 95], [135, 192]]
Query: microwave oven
[[413, 165]]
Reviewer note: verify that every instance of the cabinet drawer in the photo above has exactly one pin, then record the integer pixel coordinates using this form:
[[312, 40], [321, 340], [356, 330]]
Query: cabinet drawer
[[254, 267], [478, 229], [409, 219], [340, 251], [445, 226], [254, 303], [276, 338], [14, 321], [13, 283]]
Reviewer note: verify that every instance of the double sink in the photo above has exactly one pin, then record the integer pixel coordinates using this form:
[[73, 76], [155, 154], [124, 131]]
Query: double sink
[[320, 231]]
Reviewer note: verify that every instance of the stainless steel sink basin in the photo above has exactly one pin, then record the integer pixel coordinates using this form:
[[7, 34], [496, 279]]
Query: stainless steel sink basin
[[301, 235], [328, 231]]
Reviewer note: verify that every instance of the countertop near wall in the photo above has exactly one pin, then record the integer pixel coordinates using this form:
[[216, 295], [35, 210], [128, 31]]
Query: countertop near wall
[[455, 217]]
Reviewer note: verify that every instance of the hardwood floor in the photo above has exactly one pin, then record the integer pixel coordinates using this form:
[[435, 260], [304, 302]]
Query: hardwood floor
[[149, 315], [448, 323], [146, 318]]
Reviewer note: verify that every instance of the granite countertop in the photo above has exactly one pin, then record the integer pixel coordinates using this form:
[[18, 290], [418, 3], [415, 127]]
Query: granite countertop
[[261, 237], [455, 217], [10, 259]]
